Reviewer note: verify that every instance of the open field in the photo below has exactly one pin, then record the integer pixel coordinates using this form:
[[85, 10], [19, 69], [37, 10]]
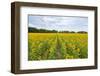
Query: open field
[[50, 46]]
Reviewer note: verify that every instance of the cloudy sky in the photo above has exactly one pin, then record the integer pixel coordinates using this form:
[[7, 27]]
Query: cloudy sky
[[59, 23]]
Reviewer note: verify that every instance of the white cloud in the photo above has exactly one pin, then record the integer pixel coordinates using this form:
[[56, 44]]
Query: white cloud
[[59, 23]]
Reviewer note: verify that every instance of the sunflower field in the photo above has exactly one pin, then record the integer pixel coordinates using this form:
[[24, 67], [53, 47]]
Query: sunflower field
[[51, 46]]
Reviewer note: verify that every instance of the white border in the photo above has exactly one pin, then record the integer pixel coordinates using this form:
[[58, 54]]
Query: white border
[[25, 64]]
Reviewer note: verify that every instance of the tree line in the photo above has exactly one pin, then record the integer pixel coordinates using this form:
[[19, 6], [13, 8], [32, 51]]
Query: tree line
[[35, 30]]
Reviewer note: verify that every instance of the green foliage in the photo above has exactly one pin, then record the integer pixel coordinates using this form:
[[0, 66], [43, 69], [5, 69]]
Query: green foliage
[[36, 30]]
